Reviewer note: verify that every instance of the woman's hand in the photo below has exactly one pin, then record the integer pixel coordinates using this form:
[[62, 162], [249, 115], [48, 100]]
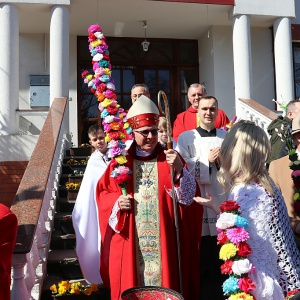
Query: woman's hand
[[211, 202], [125, 202]]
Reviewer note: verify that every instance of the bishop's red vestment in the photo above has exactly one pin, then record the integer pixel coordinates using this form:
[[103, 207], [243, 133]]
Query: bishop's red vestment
[[139, 248], [187, 120], [8, 233]]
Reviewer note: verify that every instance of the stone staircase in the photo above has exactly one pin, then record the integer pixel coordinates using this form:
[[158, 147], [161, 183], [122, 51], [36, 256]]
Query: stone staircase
[[62, 260]]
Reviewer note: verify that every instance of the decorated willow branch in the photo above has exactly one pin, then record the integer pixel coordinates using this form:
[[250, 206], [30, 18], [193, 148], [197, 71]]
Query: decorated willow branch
[[113, 117]]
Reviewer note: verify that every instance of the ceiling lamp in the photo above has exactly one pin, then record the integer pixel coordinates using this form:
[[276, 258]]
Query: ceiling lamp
[[145, 44]]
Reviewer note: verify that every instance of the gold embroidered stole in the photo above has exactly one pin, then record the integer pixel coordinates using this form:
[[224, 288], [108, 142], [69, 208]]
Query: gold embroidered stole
[[147, 223]]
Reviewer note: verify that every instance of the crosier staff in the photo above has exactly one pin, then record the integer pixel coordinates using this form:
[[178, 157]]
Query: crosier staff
[[166, 112]]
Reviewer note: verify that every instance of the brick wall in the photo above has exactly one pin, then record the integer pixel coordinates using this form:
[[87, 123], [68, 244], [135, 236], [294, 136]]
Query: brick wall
[[11, 173]]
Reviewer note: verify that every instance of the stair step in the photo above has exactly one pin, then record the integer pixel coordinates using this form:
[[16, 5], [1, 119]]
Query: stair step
[[62, 261], [55, 256], [59, 235], [60, 240]]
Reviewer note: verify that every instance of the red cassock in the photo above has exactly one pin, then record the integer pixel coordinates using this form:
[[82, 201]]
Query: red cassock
[[187, 120], [118, 250], [8, 233]]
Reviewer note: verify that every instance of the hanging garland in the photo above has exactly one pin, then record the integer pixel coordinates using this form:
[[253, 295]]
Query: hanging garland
[[113, 116]]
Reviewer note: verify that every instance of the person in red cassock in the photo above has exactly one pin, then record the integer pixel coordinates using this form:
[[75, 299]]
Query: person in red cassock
[[188, 119], [8, 233], [139, 243]]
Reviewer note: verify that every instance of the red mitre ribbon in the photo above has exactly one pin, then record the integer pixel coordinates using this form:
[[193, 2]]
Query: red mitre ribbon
[[143, 120]]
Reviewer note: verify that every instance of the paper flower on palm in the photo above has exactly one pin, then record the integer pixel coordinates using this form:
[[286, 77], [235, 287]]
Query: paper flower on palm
[[113, 116], [234, 250]]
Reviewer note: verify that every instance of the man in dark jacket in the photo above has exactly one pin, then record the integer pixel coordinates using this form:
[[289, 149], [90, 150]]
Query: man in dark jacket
[[278, 147]]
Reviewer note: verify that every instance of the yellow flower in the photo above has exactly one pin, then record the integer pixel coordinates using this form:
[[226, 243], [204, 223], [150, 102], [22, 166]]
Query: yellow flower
[[75, 290], [227, 251], [241, 296], [107, 71], [53, 288], [126, 125], [94, 287], [106, 102], [88, 291], [121, 160], [96, 43], [89, 77], [62, 290], [296, 196], [107, 138]]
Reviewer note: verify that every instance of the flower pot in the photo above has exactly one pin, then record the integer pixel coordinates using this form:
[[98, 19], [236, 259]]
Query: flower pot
[[84, 151], [72, 195], [94, 296], [75, 179]]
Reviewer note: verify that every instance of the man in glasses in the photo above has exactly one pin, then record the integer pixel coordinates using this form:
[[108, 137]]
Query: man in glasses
[[189, 119], [139, 242]]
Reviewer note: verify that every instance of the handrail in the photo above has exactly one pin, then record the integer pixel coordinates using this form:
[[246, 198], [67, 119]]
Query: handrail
[[33, 206], [254, 111]]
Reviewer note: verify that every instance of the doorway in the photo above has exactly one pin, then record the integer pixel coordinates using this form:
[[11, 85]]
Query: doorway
[[169, 65]]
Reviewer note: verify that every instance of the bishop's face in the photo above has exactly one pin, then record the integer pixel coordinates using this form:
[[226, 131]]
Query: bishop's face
[[146, 137]]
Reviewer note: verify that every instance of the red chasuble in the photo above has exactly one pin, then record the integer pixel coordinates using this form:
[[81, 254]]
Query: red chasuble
[[187, 120], [118, 264]]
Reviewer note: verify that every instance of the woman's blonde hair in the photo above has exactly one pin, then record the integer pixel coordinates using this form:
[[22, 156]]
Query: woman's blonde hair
[[243, 155]]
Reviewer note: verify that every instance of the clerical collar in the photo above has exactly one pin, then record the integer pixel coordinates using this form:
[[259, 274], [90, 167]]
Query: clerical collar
[[206, 133], [132, 151], [140, 152]]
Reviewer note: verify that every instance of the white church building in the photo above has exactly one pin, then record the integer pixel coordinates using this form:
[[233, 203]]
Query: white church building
[[237, 49]]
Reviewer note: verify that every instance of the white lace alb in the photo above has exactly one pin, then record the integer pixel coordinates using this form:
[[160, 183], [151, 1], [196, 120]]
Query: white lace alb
[[275, 255]]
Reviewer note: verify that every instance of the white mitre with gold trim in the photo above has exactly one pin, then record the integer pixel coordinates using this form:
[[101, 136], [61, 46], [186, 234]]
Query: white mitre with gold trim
[[143, 112]]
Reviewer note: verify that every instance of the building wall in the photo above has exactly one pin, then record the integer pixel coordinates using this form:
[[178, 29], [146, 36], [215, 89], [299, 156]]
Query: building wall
[[216, 66], [263, 66], [223, 69]]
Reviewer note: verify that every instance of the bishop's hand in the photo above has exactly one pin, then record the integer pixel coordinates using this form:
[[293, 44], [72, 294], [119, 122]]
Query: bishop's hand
[[173, 159], [125, 202]]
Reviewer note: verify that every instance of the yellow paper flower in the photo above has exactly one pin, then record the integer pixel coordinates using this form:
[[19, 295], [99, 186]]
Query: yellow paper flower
[[121, 160], [296, 196], [89, 77], [106, 102], [53, 288], [241, 296], [96, 43], [107, 71], [107, 138], [227, 251], [126, 125]]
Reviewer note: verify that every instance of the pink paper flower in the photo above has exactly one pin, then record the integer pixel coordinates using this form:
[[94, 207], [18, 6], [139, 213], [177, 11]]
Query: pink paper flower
[[237, 235]]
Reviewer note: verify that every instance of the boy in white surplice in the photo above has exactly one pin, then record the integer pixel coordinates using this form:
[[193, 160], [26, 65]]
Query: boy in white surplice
[[200, 149]]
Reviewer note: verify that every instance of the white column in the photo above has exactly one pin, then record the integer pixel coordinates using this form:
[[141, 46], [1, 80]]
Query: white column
[[9, 69], [283, 60], [242, 59], [59, 52]]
